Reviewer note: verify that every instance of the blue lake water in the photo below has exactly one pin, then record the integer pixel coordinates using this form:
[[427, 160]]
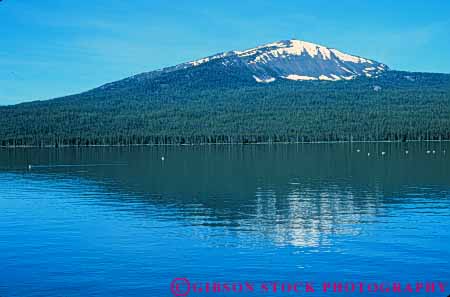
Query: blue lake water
[[119, 221]]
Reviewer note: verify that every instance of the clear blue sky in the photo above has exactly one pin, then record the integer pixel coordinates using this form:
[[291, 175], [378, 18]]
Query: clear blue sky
[[51, 48]]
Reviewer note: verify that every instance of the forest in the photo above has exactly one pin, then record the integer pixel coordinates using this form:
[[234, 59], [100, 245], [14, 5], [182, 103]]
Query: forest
[[213, 107]]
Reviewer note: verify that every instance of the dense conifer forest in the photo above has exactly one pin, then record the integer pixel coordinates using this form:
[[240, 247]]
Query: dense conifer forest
[[207, 106]]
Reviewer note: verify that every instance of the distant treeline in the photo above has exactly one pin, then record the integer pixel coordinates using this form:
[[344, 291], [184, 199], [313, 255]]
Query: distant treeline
[[397, 106]]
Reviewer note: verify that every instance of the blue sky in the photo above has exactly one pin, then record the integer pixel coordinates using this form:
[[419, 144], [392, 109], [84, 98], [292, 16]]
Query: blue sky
[[51, 48]]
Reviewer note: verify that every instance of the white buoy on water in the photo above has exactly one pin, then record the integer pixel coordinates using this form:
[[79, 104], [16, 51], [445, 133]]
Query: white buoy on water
[[406, 152], [29, 167], [428, 152], [162, 158], [434, 152], [358, 151], [368, 154], [383, 153]]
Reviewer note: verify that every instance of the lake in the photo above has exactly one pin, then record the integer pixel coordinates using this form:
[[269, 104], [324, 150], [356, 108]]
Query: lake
[[120, 221]]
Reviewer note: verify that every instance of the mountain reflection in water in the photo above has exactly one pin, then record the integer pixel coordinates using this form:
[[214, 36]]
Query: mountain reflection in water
[[256, 212]]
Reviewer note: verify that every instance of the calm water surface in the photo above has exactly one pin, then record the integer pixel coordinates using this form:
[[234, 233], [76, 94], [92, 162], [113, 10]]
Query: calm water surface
[[119, 221]]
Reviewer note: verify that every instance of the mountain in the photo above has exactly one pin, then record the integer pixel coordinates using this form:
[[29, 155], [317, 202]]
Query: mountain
[[289, 59], [285, 91], [295, 60]]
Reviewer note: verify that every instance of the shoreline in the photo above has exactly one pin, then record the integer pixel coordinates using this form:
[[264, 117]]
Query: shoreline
[[213, 144]]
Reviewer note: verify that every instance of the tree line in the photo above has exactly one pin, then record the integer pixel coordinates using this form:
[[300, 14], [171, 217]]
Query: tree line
[[397, 106]]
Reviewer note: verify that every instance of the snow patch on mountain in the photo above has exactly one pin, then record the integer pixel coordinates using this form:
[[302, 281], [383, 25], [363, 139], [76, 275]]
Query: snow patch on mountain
[[293, 60], [267, 80], [299, 77]]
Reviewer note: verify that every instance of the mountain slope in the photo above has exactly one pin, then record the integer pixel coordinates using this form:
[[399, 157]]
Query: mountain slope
[[297, 60], [288, 59], [219, 100]]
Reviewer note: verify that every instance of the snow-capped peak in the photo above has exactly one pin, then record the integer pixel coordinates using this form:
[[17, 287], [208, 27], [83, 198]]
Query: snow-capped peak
[[296, 60], [290, 47]]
